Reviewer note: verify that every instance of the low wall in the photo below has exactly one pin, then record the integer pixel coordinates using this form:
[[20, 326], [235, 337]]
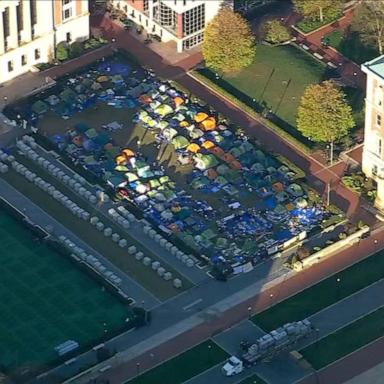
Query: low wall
[[328, 251]]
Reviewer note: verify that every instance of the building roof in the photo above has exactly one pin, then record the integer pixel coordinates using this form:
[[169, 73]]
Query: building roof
[[376, 66]]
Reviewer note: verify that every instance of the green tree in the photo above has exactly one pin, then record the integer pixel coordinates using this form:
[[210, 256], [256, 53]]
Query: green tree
[[318, 9], [323, 114], [76, 49], [62, 51], [229, 45], [276, 32], [368, 21]]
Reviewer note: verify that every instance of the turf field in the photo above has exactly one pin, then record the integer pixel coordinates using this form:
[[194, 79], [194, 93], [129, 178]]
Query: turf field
[[45, 300]]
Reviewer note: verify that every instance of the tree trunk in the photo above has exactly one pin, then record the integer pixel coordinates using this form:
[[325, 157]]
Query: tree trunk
[[321, 14], [331, 154]]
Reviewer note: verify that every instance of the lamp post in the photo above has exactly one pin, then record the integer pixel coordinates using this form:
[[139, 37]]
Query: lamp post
[[137, 369], [249, 309], [271, 299], [338, 280]]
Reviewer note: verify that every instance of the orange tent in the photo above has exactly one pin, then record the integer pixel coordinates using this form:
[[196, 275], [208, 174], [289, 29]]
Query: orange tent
[[228, 158], [194, 148], [208, 124], [219, 152], [201, 116], [128, 153], [235, 165], [208, 144], [145, 99], [120, 160], [178, 101], [211, 174]]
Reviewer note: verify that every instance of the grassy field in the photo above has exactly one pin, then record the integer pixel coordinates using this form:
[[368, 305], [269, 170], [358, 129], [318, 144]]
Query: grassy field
[[184, 366], [323, 294], [346, 340], [279, 75], [350, 46], [45, 300], [146, 277]]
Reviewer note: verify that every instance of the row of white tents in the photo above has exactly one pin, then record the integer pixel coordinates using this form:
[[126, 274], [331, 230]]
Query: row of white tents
[[188, 260], [93, 262]]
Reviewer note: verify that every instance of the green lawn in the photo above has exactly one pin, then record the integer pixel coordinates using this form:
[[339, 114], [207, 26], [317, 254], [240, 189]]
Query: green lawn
[[345, 340], [323, 294], [351, 46], [254, 379], [184, 366], [146, 277], [46, 300], [308, 25], [277, 70]]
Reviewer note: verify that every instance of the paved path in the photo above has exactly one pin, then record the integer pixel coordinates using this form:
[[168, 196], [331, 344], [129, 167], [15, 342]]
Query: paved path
[[284, 370]]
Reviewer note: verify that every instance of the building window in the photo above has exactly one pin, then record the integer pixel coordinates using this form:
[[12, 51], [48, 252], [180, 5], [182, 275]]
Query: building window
[[10, 66], [133, 13], [67, 13], [194, 20], [23, 60], [20, 17], [193, 41], [378, 120], [65, 2], [37, 54], [68, 37], [374, 170], [125, 8], [6, 30], [146, 6], [33, 12], [166, 17]]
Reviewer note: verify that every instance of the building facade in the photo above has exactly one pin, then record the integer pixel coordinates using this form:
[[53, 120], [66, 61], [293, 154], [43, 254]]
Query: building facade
[[30, 30], [182, 21], [373, 150]]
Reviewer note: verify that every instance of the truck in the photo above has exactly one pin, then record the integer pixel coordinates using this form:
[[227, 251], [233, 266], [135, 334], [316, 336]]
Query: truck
[[268, 346], [233, 366]]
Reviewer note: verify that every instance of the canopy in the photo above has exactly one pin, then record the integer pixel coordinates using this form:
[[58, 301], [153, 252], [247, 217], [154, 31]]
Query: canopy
[[205, 161], [169, 133], [162, 124], [184, 124], [228, 158], [163, 110], [120, 160], [222, 169], [211, 174], [235, 164], [180, 142], [200, 116], [208, 124], [102, 79], [178, 101], [127, 152], [194, 148], [196, 133], [217, 151], [208, 144], [131, 177], [39, 107], [145, 99]]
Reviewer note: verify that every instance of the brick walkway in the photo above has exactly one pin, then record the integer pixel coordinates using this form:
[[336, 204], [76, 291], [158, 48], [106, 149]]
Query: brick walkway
[[349, 70]]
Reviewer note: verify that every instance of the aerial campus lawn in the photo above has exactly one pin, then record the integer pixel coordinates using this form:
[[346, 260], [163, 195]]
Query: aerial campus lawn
[[118, 256], [277, 78], [184, 366], [46, 300], [176, 160], [346, 340], [323, 294]]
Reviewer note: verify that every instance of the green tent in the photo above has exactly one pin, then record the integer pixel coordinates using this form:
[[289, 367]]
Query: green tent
[[154, 183], [131, 177], [205, 161], [39, 107], [209, 234], [180, 142], [199, 182], [91, 133], [68, 96], [222, 169], [221, 180]]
